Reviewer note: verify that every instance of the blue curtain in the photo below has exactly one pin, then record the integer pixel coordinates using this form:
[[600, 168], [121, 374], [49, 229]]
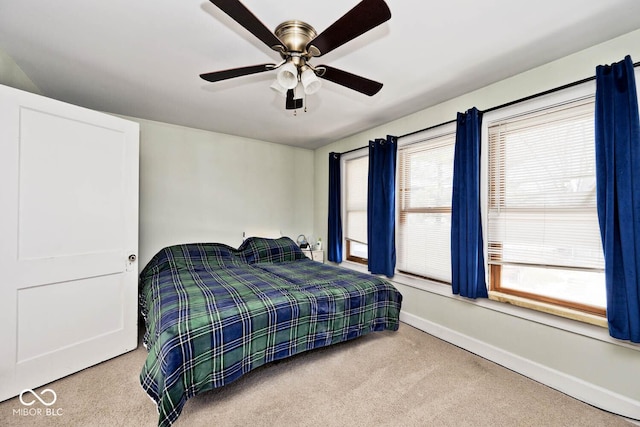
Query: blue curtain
[[467, 257], [381, 213], [618, 194], [334, 239]]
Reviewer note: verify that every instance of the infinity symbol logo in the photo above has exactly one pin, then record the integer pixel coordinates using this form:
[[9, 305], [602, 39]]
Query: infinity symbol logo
[[42, 393]]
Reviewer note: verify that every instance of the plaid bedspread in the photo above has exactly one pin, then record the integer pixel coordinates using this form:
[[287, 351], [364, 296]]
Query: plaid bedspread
[[214, 313]]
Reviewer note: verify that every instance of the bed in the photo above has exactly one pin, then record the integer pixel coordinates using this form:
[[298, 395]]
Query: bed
[[214, 313]]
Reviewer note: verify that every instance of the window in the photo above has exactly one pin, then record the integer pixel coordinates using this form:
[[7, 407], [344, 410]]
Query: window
[[356, 182], [543, 235], [425, 176], [540, 223]]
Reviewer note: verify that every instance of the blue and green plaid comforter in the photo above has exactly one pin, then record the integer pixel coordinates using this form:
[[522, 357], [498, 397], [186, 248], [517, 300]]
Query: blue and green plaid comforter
[[214, 313]]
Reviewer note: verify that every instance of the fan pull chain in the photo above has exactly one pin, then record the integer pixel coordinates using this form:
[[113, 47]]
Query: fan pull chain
[[295, 112]]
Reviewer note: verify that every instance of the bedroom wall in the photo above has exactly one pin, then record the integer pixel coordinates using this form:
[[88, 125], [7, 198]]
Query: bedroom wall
[[578, 359], [200, 186], [12, 75], [204, 186]]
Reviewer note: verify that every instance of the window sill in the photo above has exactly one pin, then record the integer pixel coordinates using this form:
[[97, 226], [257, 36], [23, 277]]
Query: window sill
[[549, 308], [579, 323]]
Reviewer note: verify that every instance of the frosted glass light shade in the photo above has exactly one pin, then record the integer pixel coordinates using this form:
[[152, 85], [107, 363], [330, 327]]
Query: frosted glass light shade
[[288, 76], [278, 88], [310, 81]]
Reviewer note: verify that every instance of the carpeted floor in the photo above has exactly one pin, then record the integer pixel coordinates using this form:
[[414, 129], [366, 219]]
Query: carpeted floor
[[404, 378]]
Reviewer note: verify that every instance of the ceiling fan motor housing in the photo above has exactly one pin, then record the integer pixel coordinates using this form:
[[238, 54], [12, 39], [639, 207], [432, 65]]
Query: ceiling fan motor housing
[[295, 35]]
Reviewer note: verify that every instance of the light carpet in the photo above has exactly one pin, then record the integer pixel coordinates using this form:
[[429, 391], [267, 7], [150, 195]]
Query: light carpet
[[403, 378]]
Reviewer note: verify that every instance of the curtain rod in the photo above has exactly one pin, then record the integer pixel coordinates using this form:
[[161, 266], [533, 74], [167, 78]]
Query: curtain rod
[[497, 107]]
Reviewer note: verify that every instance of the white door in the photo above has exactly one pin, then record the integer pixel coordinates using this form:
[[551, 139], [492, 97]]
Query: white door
[[68, 224]]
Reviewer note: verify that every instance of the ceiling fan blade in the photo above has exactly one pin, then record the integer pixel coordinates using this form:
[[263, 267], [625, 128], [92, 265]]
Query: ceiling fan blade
[[243, 16], [363, 17], [346, 79], [216, 76]]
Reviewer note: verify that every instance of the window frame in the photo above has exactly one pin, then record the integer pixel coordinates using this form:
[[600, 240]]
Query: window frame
[[346, 242], [551, 305], [546, 313], [354, 258], [431, 133]]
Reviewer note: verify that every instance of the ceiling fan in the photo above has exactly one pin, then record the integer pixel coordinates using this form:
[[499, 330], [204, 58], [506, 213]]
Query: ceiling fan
[[297, 43]]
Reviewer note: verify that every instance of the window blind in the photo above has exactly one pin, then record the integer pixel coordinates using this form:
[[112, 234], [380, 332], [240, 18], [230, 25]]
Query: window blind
[[425, 190], [542, 189], [356, 187]]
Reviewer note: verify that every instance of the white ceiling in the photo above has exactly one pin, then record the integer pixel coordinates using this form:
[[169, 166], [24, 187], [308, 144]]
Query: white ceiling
[[143, 58]]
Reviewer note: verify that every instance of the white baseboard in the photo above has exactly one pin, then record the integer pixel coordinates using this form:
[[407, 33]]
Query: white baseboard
[[587, 392]]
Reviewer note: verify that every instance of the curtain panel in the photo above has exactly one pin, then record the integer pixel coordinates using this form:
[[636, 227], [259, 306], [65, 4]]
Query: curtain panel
[[617, 135], [334, 238], [467, 256], [381, 215]]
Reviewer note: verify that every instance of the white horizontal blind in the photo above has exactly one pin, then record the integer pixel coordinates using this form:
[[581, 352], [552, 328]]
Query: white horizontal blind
[[542, 189], [425, 190], [356, 188]]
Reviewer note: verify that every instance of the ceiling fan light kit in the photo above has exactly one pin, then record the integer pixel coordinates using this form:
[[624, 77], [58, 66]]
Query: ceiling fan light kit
[[277, 87], [288, 75], [309, 81], [298, 42]]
